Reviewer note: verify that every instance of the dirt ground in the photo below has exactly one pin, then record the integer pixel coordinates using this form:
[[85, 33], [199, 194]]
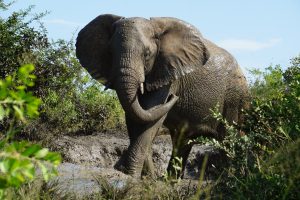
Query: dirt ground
[[88, 157]]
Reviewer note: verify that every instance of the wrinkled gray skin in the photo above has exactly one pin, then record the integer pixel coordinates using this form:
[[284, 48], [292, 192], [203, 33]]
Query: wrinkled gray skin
[[164, 72]]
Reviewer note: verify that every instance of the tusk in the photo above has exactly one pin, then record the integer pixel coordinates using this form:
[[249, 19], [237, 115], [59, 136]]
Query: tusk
[[142, 88]]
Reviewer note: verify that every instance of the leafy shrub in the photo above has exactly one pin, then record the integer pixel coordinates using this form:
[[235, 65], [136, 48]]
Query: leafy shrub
[[19, 41], [71, 101], [100, 110], [19, 159], [264, 152], [276, 113], [278, 177], [57, 111], [88, 111]]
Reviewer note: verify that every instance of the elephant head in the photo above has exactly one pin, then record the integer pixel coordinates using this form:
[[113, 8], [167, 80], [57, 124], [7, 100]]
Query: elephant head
[[128, 54]]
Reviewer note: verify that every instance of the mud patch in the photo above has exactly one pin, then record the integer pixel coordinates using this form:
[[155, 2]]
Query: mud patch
[[87, 158]]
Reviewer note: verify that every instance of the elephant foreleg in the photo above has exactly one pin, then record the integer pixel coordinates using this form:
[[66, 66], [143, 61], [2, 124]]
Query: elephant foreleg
[[141, 135], [138, 157], [148, 168]]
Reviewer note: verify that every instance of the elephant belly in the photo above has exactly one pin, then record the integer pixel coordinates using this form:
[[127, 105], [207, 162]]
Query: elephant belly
[[197, 96]]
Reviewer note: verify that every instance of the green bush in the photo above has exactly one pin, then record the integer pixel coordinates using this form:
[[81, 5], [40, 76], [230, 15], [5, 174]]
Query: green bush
[[263, 153], [278, 177], [71, 101], [19, 41], [100, 110], [88, 111], [20, 159]]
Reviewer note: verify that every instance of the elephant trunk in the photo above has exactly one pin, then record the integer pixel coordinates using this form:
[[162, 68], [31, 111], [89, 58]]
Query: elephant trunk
[[129, 86]]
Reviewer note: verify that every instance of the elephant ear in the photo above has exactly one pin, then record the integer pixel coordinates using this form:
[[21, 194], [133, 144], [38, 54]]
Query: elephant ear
[[181, 51], [92, 47]]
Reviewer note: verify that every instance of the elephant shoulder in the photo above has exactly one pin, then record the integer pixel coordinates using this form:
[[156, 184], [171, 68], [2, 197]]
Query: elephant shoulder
[[220, 60]]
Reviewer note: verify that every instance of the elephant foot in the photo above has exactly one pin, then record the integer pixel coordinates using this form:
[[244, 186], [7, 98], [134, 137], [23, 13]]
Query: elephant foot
[[148, 171], [120, 167], [124, 167]]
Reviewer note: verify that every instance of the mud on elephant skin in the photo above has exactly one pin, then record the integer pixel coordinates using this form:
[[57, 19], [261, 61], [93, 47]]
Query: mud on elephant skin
[[164, 72]]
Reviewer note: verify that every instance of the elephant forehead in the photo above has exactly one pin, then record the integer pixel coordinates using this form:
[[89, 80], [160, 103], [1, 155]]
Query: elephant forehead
[[137, 20], [139, 24]]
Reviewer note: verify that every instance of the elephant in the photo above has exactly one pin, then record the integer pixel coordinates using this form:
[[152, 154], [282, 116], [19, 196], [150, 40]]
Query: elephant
[[165, 73]]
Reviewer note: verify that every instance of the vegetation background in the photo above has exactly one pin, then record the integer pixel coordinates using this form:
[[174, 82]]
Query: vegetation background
[[45, 93]]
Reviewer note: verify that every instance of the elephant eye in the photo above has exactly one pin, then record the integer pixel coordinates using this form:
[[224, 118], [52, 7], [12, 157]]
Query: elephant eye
[[147, 54]]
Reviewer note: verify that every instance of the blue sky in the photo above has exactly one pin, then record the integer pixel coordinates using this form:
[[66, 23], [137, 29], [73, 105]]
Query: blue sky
[[258, 32]]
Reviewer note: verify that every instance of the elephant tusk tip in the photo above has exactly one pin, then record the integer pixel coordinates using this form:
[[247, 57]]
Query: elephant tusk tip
[[142, 88], [172, 97]]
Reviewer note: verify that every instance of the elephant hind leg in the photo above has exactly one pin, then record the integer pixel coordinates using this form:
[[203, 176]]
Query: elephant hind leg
[[180, 153], [178, 161], [205, 131]]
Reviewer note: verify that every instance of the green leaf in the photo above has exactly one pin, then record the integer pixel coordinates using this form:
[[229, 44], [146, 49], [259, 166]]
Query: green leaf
[[54, 158], [27, 169], [3, 167], [177, 168], [2, 113], [44, 171], [19, 112], [3, 93], [21, 87], [14, 165], [29, 172], [17, 179], [31, 150], [41, 153]]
